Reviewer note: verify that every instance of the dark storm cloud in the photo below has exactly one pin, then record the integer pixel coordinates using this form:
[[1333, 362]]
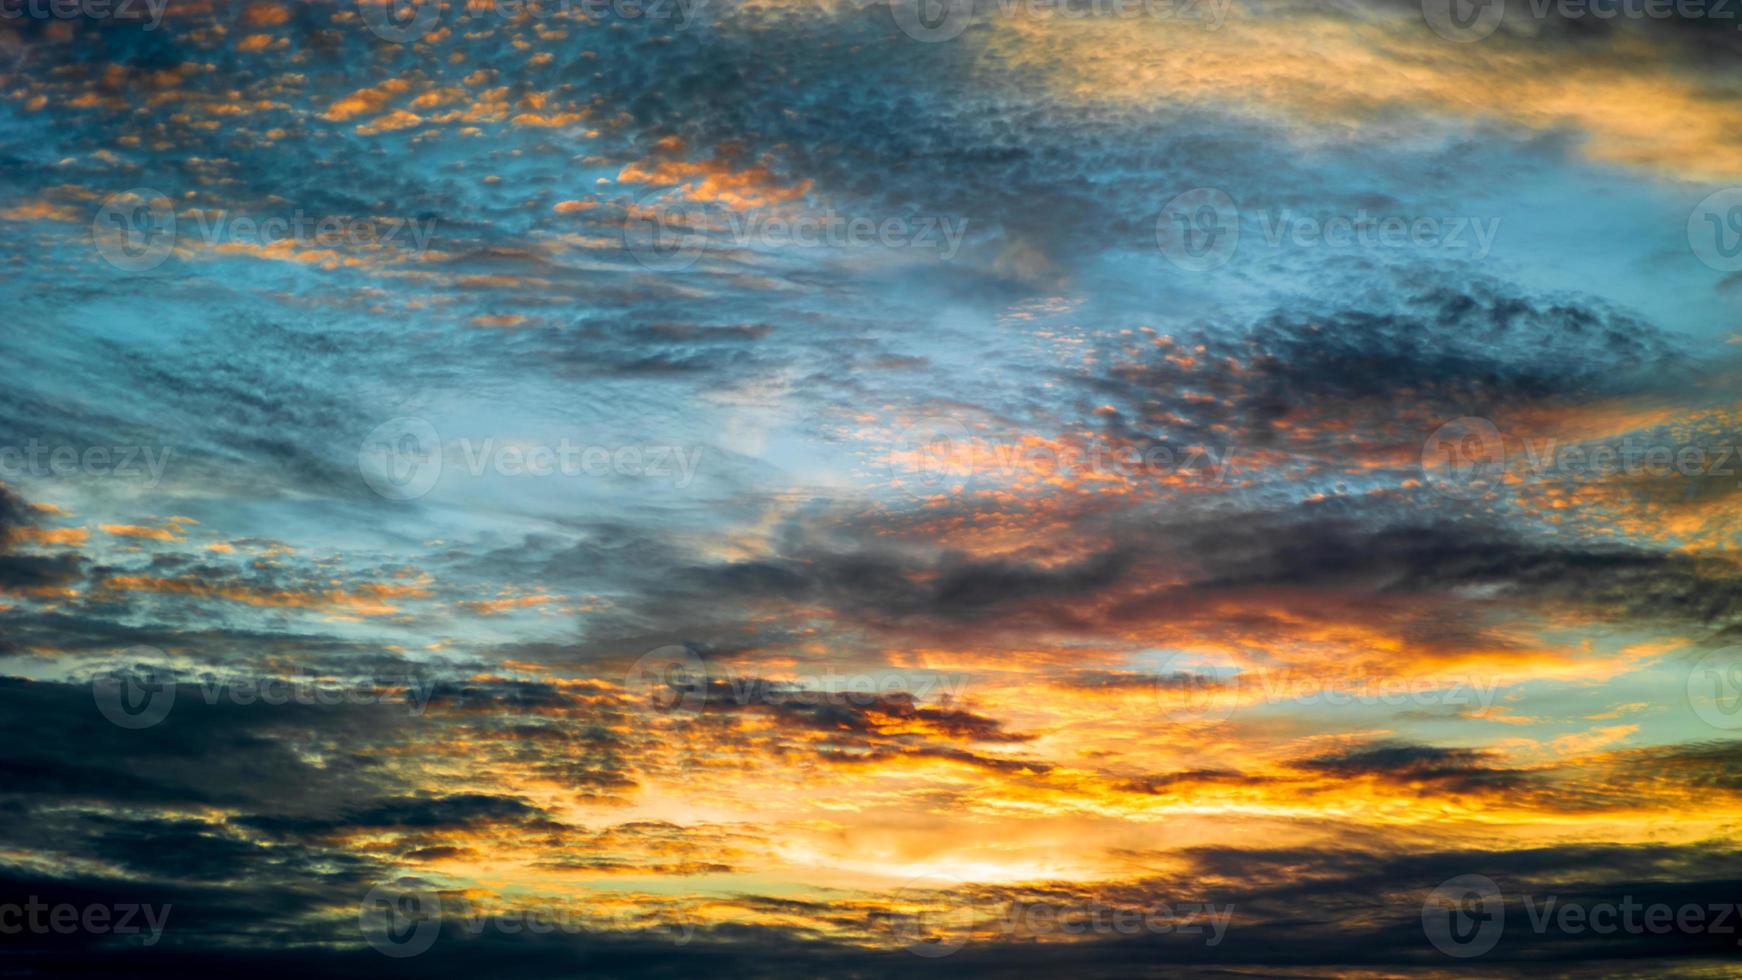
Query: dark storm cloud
[[852, 714], [1150, 568], [1453, 770], [209, 753], [1443, 353], [1166, 784], [412, 813], [1712, 767], [883, 582], [632, 348], [15, 512], [1293, 910], [1354, 550], [1370, 555], [498, 695], [101, 625], [20, 572], [1701, 35]]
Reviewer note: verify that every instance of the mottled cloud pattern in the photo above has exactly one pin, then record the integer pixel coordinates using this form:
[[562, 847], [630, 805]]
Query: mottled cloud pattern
[[870, 488]]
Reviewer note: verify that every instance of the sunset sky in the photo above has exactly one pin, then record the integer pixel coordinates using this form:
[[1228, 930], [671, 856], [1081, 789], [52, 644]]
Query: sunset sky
[[839, 488]]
